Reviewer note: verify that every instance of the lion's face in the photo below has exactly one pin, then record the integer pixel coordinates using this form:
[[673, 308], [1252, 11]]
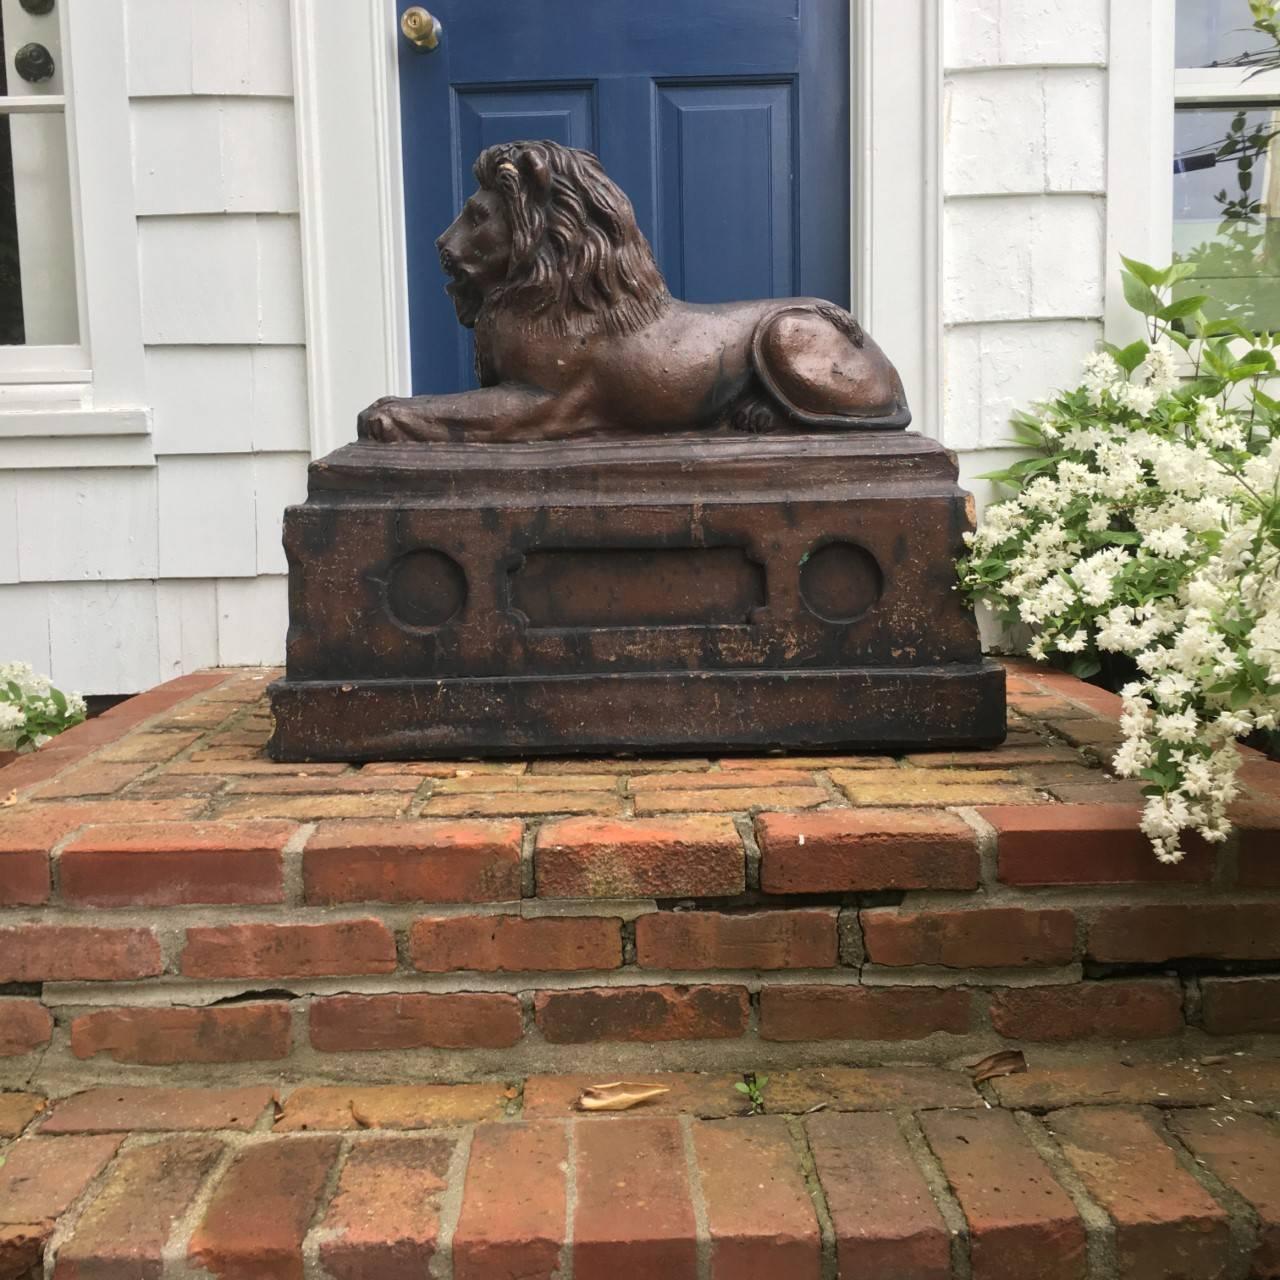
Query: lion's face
[[475, 252]]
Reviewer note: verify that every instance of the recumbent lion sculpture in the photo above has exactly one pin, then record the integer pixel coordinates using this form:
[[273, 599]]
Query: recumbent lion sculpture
[[577, 334]]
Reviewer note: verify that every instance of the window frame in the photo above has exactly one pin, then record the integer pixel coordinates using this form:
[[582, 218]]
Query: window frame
[[90, 396], [1146, 87]]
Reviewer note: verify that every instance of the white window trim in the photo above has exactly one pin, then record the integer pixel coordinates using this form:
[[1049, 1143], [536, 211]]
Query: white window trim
[[352, 202], [90, 398], [1145, 89]]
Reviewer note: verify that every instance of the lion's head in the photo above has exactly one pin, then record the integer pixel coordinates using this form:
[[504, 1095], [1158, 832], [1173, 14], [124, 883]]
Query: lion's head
[[551, 239]]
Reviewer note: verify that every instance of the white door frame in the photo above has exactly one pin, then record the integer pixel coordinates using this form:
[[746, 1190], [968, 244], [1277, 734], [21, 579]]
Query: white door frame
[[352, 201]]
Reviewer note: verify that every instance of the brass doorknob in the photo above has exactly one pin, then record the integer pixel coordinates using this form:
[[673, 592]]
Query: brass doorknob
[[420, 28]]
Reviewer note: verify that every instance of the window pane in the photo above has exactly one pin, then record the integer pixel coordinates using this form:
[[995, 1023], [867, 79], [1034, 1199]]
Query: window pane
[[1217, 33], [1226, 208], [38, 301]]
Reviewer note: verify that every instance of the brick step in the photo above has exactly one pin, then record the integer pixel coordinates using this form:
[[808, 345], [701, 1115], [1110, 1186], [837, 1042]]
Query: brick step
[[173, 902], [1085, 1167]]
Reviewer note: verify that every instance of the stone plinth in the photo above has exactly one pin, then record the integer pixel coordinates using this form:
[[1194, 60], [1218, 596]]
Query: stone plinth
[[686, 595]]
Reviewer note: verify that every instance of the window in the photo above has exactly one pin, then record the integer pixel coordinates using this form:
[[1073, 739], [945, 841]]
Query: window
[[39, 295], [1226, 144], [72, 381]]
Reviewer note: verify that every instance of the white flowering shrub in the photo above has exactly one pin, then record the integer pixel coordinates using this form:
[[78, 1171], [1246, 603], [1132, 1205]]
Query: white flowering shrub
[[31, 710], [1146, 524]]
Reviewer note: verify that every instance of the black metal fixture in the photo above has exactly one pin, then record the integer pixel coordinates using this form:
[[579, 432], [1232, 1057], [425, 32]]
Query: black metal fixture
[[33, 62], [38, 7]]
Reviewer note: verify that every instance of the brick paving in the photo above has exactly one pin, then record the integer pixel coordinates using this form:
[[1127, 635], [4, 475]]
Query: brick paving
[[174, 903], [1103, 1166]]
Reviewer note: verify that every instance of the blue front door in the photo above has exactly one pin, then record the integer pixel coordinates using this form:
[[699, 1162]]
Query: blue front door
[[725, 121]]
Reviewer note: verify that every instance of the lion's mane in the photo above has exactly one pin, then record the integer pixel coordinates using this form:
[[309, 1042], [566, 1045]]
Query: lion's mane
[[579, 262]]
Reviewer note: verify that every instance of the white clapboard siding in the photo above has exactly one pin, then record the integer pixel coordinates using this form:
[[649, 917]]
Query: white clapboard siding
[[220, 47], [985, 33], [214, 155], [280, 480], [229, 279], [84, 525], [253, 615], [231, 399], [187, 626], [103, 635], [207, 516]]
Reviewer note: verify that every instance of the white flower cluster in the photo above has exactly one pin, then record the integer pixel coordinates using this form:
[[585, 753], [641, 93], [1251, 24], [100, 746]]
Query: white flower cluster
[[31, 709], [1150, 529]]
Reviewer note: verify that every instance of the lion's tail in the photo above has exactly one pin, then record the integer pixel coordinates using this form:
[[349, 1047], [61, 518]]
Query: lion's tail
[[889, 411]]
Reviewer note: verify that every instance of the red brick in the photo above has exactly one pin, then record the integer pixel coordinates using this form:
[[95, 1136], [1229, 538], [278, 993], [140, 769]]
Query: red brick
[[759, 1216], [17, 1110], [289, 950], [1258, 845], [886, 1224], [40, 1177], [512, 944], [314, 808], [532, 804], [390, 1106], [1166, 1224], [1021, 1222], [1101, 701], [25, 1025], [480, 783], [647, 858], [863, 850], [835, 1088], [641, 1014], [688, 1093], [731, 800], [24, 878], [1214, 931], [717, 781], [385, 1216], [413, 862], [70, 953], [982, 937], [466, 1020], [304, 784], [1112, 1080], [1120, 1009], [1240, 1006], [1085, 844], [123, 1233], [93, 779], [863, 1013], [1245, 1153], [144, 1110], [22, 1250], [169, 863], [648, 1230], [164, 1037], [795, 939], [501, 1235], [255, 1225]]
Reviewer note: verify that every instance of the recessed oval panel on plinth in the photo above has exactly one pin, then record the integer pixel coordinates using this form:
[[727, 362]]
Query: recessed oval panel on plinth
[[425, 589], [841, 581]]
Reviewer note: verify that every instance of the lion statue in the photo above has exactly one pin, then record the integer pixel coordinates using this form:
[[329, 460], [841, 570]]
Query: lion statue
[[577, 334]]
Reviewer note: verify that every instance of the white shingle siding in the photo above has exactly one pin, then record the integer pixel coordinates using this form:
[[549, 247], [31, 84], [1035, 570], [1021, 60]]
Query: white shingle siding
[[1024, 216]]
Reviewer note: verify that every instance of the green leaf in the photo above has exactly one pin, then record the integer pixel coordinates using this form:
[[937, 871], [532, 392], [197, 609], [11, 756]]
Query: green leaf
[[1130, 357], [1083, 666], [1139, 296], [1149, 275], [742, 1088], [1181, 307]]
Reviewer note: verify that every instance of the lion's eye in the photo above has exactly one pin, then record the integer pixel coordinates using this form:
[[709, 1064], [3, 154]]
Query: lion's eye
[[478, 214]]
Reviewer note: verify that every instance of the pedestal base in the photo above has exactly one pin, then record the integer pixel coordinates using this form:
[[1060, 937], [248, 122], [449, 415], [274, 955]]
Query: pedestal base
[[681, 595]]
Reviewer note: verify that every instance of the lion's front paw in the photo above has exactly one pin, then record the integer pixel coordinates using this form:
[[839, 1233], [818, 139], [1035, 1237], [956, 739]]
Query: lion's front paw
[[379, 422]]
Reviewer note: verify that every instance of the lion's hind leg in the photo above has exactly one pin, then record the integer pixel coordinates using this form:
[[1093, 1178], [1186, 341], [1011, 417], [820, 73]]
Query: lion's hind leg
[[824, 371]]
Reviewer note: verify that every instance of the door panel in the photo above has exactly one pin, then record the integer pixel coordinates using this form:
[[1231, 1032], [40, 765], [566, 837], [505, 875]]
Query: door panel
[[725, 121]]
